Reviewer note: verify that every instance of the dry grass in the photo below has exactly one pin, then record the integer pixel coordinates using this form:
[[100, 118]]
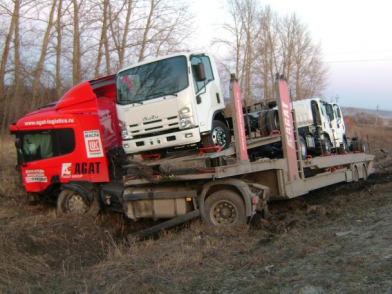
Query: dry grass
[[10, 184], [374, 137]]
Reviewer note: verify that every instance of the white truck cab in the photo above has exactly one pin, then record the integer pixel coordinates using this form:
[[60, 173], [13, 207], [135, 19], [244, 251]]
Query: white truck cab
[[338, 126], [320, 123], [171, 101]]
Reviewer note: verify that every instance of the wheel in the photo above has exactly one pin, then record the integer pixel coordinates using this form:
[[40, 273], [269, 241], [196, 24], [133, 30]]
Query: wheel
[[302, 147], [225, 208], [364, 173], [273, 121], [70, 202], [325, 146], [219, 136], [262, 124]]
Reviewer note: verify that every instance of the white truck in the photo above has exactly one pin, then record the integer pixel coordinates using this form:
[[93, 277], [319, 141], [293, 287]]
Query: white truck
[[320, 126], [171, 101]]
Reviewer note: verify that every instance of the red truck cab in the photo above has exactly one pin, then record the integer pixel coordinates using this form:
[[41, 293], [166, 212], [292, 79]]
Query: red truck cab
[[68, 141]]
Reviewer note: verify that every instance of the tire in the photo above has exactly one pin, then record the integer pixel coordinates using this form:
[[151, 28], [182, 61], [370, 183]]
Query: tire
[[225, 208], [219, 136], [325, 146], [262, 124], [303, 148], [272, 121], [70, 202]]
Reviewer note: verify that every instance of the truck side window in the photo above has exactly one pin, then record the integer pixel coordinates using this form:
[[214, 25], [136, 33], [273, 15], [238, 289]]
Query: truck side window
[[324, 112], [337, 113], [66, 140], [208, 71], [37, 145]]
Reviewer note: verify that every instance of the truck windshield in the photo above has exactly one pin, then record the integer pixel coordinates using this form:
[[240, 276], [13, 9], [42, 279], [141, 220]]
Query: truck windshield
[[152, 80]]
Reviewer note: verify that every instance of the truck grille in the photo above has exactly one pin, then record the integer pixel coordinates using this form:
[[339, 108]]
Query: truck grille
[[155, 127], [156, 133]]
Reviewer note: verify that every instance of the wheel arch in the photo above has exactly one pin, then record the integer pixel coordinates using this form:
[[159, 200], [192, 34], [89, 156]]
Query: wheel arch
[[235, 185], [355, 172], [219, 115], [83, 188]]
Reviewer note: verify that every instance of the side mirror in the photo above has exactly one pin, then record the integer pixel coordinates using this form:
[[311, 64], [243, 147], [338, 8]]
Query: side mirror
[[18, 143], [200, 72]]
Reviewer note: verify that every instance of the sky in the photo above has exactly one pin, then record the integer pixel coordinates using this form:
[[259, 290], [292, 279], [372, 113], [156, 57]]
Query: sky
[[355, 36]]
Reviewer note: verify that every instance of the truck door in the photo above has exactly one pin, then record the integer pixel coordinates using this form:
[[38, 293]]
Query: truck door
[[340, 128], [207, 92]]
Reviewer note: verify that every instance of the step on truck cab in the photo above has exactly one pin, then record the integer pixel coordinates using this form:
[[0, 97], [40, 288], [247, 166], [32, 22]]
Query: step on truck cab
[[169, 102]]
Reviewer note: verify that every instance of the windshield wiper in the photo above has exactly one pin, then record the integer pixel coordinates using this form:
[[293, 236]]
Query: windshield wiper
[[161, 94], [174, 94]]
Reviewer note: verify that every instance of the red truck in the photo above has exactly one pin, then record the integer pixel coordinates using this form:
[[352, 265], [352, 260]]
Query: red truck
[[70, 146], [71, 151]]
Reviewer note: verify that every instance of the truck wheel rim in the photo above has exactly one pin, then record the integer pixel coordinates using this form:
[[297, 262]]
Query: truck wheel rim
[[77, 205], [218, 137], [224, 213]]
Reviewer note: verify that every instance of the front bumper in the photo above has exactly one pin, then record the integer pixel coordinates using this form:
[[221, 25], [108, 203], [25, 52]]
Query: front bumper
[[185, 137]]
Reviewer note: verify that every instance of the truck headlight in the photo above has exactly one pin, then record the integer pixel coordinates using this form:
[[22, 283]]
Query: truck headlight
[[186, 117], [124, 132], [185, 123]]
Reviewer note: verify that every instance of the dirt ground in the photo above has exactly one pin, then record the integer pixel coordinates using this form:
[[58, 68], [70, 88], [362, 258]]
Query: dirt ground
[[334, 240]]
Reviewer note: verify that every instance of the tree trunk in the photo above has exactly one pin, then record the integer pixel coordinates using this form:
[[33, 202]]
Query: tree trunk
[[146, 30], [17, 71], [125, 34], [76, 58], [58, 50], [42, 58], [4, 57]]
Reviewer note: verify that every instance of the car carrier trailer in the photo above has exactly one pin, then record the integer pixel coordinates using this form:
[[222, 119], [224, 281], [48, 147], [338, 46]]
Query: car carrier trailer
[[224, 187]]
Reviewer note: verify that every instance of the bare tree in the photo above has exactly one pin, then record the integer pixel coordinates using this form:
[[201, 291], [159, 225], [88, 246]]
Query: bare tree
[[103, 42], [44, 51], [121, 39], [58, 49], [244, 29], [153, 6], [303, 65], [49, 45], [6, 52], [262, 44], [76, 56]]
